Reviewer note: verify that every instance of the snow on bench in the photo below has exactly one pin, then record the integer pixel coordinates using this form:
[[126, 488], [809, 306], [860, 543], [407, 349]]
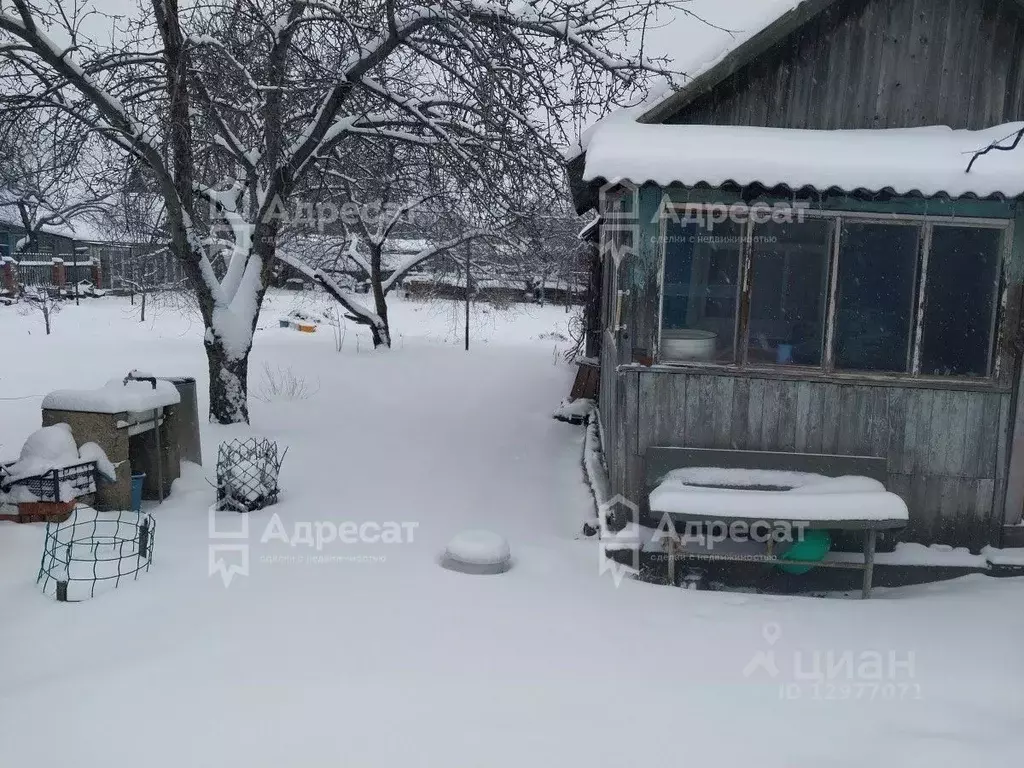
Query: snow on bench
[[768, 494], [711, 485]]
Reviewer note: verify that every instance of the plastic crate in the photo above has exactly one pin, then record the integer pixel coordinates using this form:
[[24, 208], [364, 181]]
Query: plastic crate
[[76, 480]]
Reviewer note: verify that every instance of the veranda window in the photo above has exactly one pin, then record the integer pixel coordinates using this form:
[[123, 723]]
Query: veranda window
[[961, 297], [875, 301], [789, 287], [701, 289], [837, 292]]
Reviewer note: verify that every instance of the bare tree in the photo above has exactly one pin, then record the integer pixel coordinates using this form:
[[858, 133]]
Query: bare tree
[[51, 175], [44, 299], [230, 105], [386, 193]]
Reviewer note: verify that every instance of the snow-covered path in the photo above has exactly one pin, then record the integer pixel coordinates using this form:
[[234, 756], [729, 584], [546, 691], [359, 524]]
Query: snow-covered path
[[378, 657]]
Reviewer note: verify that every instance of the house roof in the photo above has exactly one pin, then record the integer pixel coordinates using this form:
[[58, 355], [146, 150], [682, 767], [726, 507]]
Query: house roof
[[926, 161]]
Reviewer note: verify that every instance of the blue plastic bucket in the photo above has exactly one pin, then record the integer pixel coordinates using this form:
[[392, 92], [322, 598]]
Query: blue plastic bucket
[[137, 481]]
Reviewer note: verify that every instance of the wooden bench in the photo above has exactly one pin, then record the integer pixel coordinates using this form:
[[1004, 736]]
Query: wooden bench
[[660, 461]]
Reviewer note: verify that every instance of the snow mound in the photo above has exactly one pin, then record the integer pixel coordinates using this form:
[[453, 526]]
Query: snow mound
[[45, 449], [478, 552], [93, 452], [574, 411]]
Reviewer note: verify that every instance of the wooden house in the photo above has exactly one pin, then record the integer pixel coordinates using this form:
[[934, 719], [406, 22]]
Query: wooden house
[[797, 260]]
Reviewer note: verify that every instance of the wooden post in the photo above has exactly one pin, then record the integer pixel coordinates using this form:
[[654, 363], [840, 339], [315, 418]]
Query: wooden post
[[467, 295], [869, 562]]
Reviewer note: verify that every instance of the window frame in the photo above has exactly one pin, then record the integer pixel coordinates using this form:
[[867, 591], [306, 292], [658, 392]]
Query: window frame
[[827, 368]]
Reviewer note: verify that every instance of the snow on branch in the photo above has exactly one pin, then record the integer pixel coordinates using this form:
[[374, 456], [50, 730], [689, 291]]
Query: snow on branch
[[435, 250], [361, 314]]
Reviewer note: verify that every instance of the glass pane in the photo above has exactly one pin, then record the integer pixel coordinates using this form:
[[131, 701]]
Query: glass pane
[[700, 290], [788, 290], [877, 268], [960, 296]]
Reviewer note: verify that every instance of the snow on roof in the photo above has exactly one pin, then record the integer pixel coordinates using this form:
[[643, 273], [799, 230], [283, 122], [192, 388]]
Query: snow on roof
[[929, 161], [114, 397], [11, 219]]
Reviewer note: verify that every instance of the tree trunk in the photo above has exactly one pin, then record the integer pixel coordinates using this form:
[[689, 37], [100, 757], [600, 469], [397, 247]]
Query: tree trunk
[[229, 383], [382, 335]]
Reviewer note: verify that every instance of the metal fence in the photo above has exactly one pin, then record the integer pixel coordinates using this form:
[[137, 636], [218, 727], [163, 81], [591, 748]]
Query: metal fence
[[42, 270], [132, 268], [127, 268], [34, 271]]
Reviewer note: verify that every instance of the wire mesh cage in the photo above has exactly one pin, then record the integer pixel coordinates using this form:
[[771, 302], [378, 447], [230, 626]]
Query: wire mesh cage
[[57, 485], [247, 472], [92, 552]]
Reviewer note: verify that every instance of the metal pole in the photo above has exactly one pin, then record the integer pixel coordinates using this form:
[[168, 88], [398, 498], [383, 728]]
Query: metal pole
[[467, 296], [74, 270]]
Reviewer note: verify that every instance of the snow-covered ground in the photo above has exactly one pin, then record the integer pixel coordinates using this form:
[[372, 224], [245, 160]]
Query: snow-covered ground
[[371, 654]]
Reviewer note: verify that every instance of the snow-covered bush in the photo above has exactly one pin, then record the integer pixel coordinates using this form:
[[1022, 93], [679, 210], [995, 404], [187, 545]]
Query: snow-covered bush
[[283, 384]]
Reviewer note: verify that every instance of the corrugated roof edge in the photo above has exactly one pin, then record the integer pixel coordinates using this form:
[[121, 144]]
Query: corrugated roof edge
[[807, 190]]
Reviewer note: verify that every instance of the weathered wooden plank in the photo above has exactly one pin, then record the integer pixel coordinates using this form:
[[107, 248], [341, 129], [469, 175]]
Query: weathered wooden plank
[[647, 410], [700, 424], [881, 64], [924, 449], [770, 414], [876, 436], [896, 421], [787, 422], [931, 509], [722, 388], [669, 427], [976, 441], [802, 412], [830, 418], [948, 505], [739, 437], [850, 425], [952, 435], [631, 411], [755, 415], [919, 527]]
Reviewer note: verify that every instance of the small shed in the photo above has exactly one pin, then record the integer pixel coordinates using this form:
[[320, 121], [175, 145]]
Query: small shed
[[797, 259]]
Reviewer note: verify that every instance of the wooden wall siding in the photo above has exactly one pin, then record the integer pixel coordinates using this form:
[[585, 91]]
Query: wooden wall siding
[[882, 64], [946, 451]]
